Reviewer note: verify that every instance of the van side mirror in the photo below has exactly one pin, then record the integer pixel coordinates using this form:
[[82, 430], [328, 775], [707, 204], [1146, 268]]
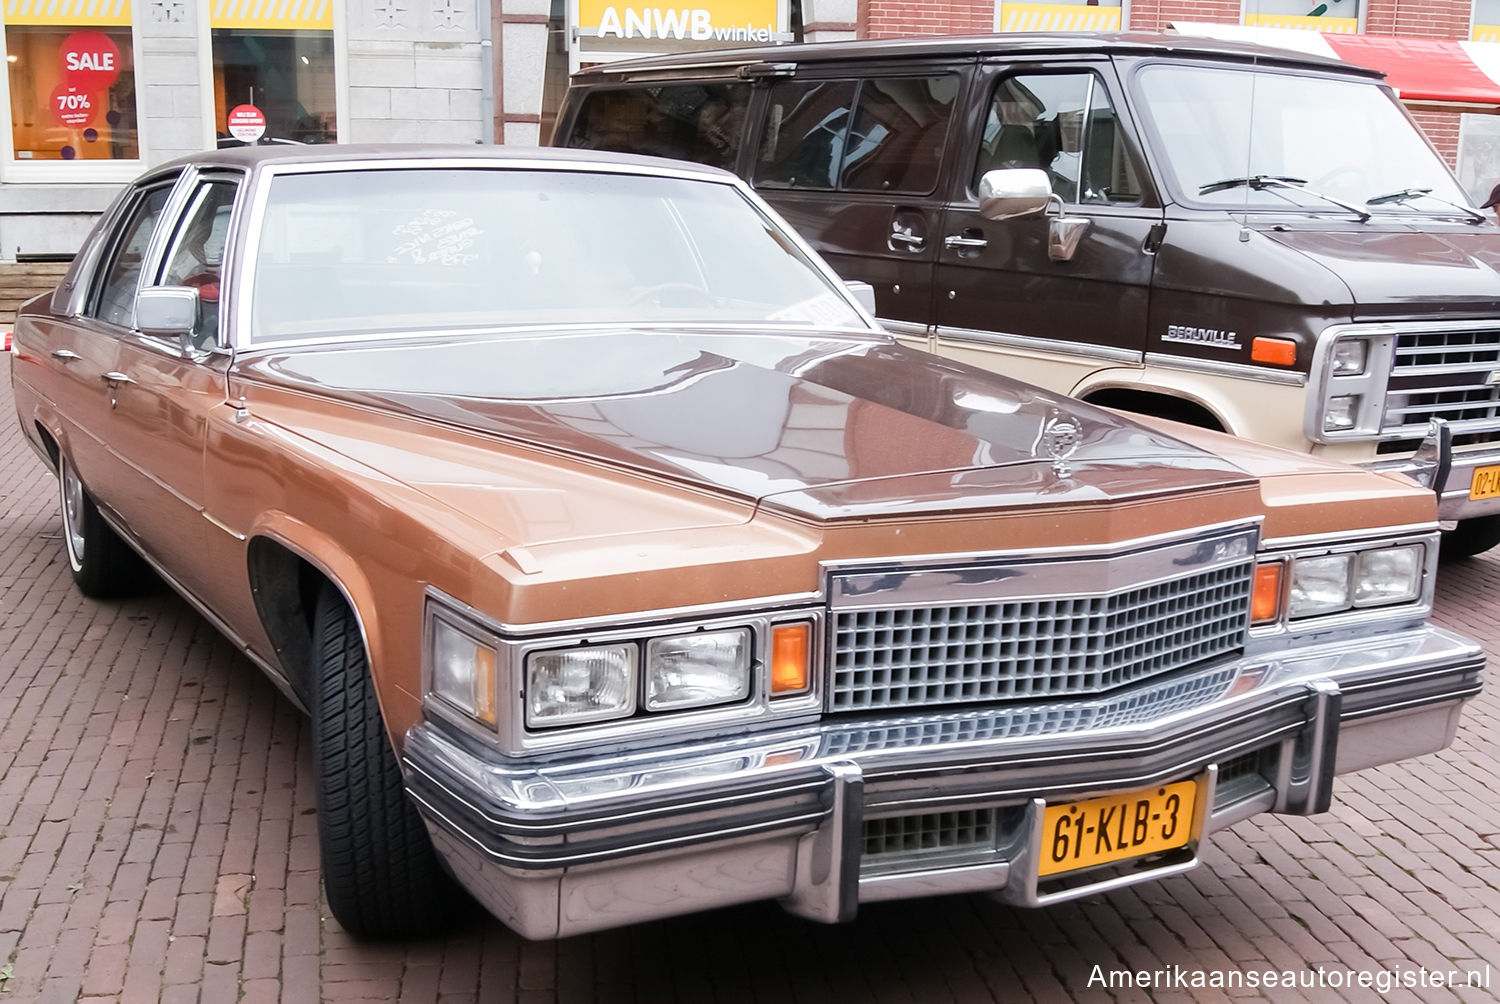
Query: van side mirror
[[169, 312], [1013, 191], [863, 293]]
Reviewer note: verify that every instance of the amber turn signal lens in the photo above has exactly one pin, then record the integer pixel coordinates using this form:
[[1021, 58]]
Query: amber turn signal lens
[[1276, 351], [1265, 602], [790, 645]]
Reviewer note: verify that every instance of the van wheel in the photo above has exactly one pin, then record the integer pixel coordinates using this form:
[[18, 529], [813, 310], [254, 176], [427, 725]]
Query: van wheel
[[380, 871], [102, 564], [1471, 537]]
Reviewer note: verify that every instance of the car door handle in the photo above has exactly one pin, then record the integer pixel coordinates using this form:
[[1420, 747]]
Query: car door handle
[[955, 241], [910, 240], [65, 355], [115, 377]]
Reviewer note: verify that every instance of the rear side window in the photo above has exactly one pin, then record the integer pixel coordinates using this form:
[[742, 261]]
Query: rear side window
[[879, 135], [1065, 124], [697, 122]]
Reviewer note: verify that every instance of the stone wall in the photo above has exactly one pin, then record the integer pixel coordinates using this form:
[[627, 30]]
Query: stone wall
[[416, 73]]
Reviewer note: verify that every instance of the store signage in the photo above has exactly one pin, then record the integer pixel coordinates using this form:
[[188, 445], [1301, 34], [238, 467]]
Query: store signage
[[720, 22], [247, 123], [72, 107], [91, 60]]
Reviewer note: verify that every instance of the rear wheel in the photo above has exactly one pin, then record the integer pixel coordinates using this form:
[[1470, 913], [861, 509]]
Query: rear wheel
[[380, 871], [102, 564], [1471, 537]]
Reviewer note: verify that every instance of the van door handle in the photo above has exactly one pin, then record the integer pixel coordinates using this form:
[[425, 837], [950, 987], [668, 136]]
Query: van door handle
[[909, 240], [955, 241], [115, 377], [66, 355]]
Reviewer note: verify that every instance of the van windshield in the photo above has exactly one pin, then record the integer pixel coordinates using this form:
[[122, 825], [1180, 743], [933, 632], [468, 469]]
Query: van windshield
[[1241, 139]]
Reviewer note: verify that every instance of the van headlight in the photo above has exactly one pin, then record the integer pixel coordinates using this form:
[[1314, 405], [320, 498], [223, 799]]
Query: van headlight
[[1329, 583]]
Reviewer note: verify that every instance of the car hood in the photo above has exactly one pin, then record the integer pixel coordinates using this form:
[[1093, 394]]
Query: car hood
[[826, 427], [1398, 270]]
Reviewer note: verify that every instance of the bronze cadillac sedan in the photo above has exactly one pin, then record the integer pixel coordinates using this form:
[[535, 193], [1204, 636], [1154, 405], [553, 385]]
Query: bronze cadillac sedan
[[626, 568]]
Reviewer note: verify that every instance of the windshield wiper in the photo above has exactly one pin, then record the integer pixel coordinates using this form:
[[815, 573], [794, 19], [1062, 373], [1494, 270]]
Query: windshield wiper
[[1260, 182], [1407, 194]]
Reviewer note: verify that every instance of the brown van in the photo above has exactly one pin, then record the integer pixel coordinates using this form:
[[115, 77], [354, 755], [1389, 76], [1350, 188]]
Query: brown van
[[1239, 237]]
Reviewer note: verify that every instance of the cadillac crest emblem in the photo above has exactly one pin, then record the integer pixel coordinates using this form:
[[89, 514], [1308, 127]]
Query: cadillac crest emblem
[[1060, 439]]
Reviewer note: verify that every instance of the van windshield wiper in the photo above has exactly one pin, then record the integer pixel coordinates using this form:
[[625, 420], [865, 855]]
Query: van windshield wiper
[[1260, 182], [1407, 194]]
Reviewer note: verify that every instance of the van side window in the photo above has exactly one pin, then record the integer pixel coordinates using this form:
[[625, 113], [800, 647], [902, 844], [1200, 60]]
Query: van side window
[[1065, 124], [881, 135], [697, 122]]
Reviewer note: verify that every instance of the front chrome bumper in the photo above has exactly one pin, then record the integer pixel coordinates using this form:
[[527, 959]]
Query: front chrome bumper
[[569, 845], [1435, 463]]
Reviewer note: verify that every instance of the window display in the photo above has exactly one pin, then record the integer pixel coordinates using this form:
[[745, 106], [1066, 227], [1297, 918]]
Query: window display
[[72, 87]]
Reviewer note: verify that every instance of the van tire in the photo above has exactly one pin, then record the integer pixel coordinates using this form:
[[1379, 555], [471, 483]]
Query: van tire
[[103, 565], [1471, 537], [381, 874]]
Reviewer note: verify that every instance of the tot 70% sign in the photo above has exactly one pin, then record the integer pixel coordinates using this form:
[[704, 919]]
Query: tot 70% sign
[[91, 64]]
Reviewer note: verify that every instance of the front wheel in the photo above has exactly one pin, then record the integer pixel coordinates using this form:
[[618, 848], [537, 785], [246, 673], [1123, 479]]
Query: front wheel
[[102, 564], [1471, 537], [380, 871]]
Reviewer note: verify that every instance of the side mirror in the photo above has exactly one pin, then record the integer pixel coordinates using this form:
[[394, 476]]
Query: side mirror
[[1016, 191], [169, 312], [863, 293]]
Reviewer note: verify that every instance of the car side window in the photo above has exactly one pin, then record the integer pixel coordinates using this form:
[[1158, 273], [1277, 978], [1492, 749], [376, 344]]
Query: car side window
[[696, 122], [876, 135], [1064, 124], [196, 256], [114, 301]]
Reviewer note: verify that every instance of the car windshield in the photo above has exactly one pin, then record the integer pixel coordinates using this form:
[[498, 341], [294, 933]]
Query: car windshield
[[366, 251], [1243, 139]]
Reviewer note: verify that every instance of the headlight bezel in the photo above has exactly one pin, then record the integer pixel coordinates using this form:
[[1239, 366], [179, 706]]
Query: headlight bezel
[[1411, 606], [1361, 390]]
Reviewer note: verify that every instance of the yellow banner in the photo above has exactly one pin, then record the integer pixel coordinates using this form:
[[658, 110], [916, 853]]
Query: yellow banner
[[272, 15], [713, 21], [69, 13], [1058, 17], [1336, 25], [1486, 33]]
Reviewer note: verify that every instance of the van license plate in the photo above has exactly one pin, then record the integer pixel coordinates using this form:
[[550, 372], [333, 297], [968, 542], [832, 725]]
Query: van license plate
[[1486, 483], [1111, 828]]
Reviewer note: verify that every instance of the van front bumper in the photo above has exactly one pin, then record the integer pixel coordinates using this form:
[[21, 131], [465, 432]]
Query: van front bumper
[[565, 845]]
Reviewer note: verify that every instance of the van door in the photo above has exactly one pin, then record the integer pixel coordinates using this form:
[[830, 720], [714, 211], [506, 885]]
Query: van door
[[1005, 300], [853, 162]]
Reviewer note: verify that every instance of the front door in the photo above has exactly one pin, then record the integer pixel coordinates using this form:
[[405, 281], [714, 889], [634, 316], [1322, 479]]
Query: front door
[[1004, 299]]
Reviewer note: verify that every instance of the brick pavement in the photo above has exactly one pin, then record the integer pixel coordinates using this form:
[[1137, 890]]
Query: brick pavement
[[157, 843]]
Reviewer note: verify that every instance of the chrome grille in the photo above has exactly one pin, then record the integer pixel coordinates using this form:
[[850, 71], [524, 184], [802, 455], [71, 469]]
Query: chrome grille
[[1035, 648], [1445, 374], [938, 831]]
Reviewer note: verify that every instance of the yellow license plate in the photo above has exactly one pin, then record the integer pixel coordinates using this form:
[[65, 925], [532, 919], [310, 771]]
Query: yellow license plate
[[1099, 831], [1486, 483]]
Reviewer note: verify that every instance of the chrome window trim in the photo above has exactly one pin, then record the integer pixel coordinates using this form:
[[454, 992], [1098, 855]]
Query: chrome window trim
[[1236, 371], [1029, 343], [253, 222]]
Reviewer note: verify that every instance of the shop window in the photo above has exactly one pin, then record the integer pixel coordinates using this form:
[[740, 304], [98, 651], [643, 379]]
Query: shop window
[[1067, 15], [72, 82], [1340, 16], [1486, 26], [278, 59]]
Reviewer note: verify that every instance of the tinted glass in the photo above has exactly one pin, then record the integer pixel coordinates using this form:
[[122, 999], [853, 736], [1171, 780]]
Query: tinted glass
[[697, 122], [897, 139], [364, 251], [807, 126], [1064, 124], [115, 301]]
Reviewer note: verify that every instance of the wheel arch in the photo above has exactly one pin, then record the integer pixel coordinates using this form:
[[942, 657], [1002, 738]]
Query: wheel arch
[[1177, 404]]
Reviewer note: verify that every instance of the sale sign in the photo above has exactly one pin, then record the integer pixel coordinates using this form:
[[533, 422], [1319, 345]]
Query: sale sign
[[72, 107], [91, 60], [247, 123]]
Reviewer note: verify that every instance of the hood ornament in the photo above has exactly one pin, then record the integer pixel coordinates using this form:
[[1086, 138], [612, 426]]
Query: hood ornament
[[1060, 437]]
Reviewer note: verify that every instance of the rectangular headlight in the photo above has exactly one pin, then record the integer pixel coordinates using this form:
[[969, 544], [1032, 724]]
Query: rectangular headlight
[[463, 671], [1319, 585], [586, 684], [1348, 356], [1388, 575], [1341, 413], [697, 670]]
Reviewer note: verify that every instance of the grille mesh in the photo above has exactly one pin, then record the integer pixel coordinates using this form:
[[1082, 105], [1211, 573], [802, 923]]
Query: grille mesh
[[892, 658], [903, 836], [1445, 375]]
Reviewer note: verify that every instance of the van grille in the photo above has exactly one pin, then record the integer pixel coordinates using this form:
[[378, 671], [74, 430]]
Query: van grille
[[1032, 648], [1446, 374]]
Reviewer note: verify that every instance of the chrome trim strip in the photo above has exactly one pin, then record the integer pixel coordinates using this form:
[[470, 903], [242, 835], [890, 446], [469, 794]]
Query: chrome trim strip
[[1235, 371], [1032, 345], [223, 526], [905, 329], [1348, 536]]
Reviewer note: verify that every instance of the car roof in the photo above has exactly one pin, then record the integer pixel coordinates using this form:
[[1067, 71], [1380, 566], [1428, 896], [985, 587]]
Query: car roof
[[977, 46], [356, 156]]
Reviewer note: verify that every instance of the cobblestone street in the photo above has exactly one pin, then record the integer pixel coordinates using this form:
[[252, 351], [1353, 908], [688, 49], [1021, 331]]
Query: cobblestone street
[[158, 842]]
